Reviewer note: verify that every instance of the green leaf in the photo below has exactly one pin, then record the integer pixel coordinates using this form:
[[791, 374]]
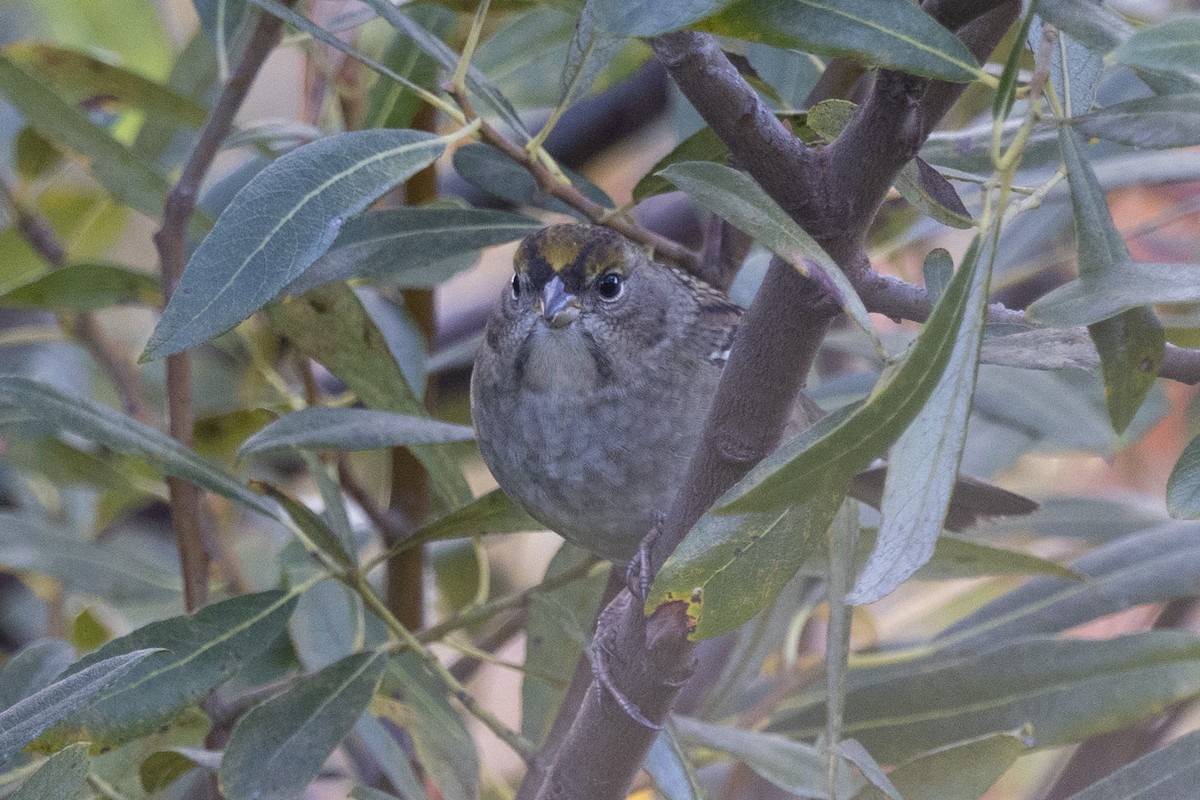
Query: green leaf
[[959, 772], [924, 461], [203, 650], [22, 722], [128, 178], [558, 630], [79, 564], [669, 769], [1075, 70], [390, 104], [85, 78], [278, 747], [317, 535], [33, 667], [62, 777], [165, 767], [110, 428], [728, 568], [618, 18], [413, 247], [1145, 567], [1090, 23], [1183, 487], [1006, 91], [1131, 345], [85, 287], [735, 197], [351, 429], [1169, 773], [280, 223], [1171, 45], [703, 145], [493, 512], [591, 50], [476, 81], [1160, 121], [1085, 301], [792, 766], [330, 325], [838, 446], [879, 33], [415, 699], [1066, 689], [495, 173]]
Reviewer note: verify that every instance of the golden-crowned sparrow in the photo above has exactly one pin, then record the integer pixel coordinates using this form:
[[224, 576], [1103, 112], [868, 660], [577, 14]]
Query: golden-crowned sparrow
[[590, 391]]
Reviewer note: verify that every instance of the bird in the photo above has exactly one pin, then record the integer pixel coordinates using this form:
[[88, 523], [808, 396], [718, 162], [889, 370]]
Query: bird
[[590, 390]]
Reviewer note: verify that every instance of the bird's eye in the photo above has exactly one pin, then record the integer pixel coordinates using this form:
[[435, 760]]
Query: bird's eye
[[610, 285], [516, 286]]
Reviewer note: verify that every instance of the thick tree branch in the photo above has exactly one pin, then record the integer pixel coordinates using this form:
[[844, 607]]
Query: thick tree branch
[[171, 243], [776, 342]]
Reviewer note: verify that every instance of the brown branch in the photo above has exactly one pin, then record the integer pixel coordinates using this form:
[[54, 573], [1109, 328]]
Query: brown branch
[[777, 340], [81, 326], [171, 242], [664, 249]]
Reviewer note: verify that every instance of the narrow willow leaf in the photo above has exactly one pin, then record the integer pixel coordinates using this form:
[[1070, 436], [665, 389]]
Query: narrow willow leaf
[[1144, 567], [669, 769], [330, 325], [1006, 91], [856, 754], [495, 173], [558, 630], [1169, 45], [837, 447], [1075, 70], [1183, 487], [390, 104], [23, 722], [493, 512], [924, 461], [1044, 348], [30, 544], [591, 50], [108, 427], [412, 247], [393, 759], [730, 567], [33, 667], [840, 541], [618, 18], [1085, 301], [703, 145], [1131, 345], [280, 223], [735, 197], [959, 772], [1066, 690], [278, 747], [351, 429], [203, 650], [128, 178], [1157, 122], [165, 767], [415, 699], [1169, 773], [1091, 23], [85, 287], [477, 82], [84, 77], [318, 537], [793, 766], [62, 777], [879, 33]]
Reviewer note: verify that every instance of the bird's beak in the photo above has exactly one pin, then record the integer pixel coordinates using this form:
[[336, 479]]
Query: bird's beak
[[559, 307]]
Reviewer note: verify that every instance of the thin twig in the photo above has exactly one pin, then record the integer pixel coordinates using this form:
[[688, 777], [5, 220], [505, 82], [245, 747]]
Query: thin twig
[[663, 248], [170, 240]]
